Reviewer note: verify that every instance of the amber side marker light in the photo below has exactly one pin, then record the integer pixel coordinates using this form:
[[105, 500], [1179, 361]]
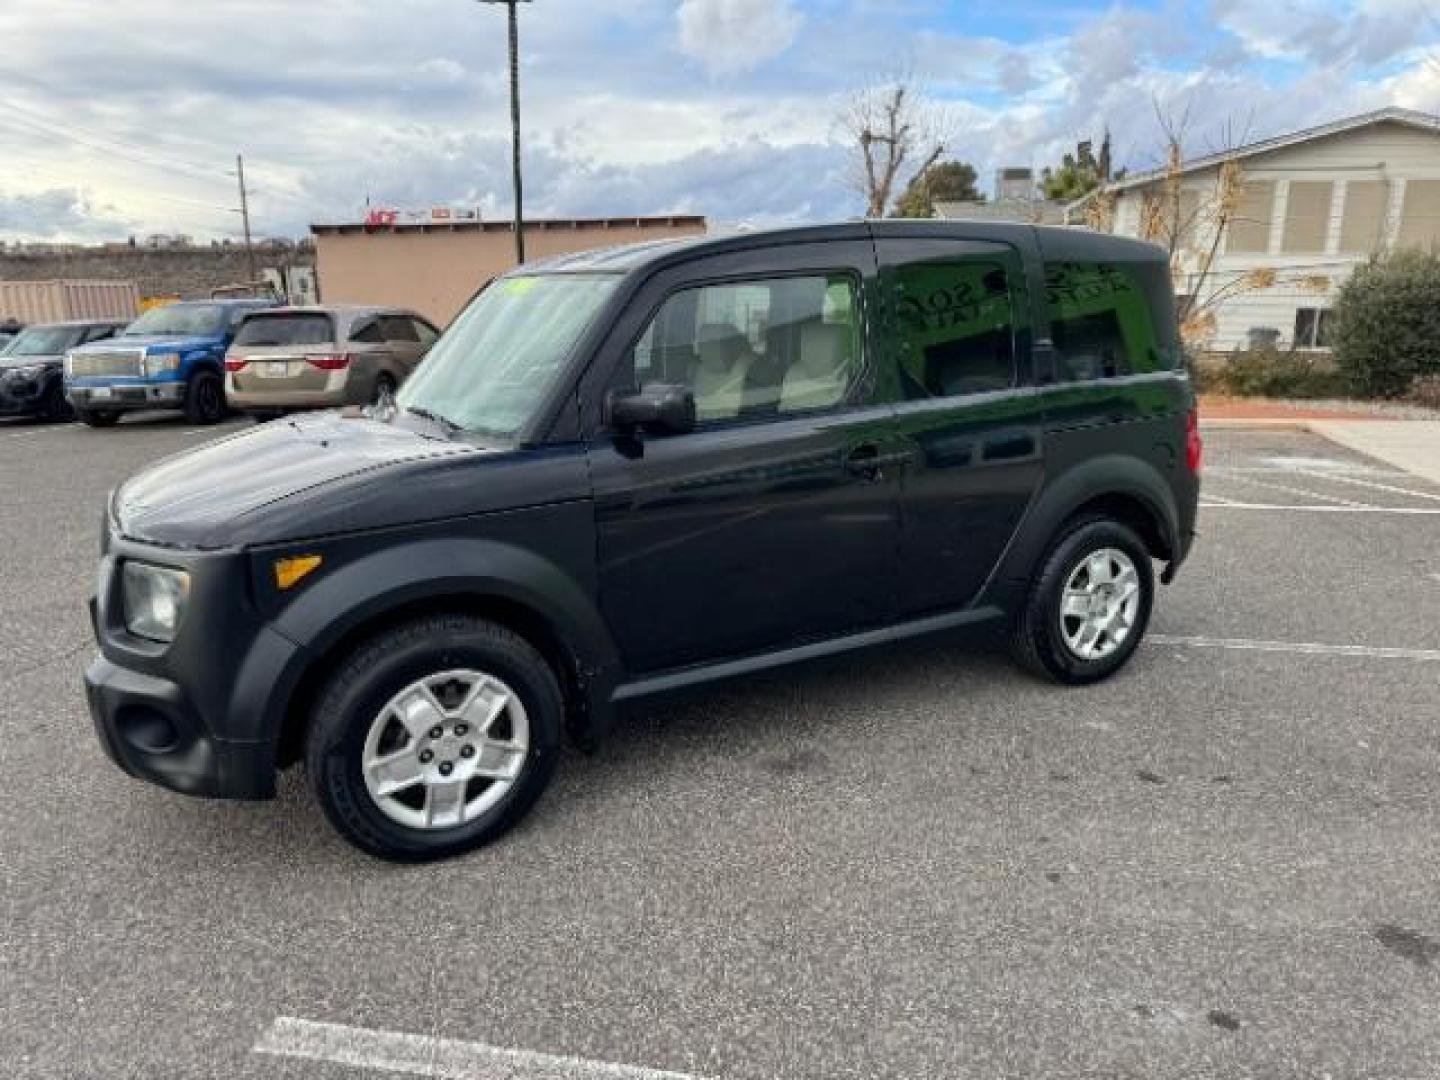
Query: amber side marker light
[[291, 571]]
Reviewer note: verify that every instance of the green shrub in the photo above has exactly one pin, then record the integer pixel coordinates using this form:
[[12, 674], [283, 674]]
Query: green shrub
[[1272, 373], [1387, 323]]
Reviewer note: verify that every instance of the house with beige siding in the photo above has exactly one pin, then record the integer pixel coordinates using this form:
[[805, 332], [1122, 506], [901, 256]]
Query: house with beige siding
[[1310, 206]]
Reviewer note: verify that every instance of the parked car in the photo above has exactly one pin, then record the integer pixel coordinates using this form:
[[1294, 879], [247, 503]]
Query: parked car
[[31, 380], [323, 357], [625, 472], [171, 357]]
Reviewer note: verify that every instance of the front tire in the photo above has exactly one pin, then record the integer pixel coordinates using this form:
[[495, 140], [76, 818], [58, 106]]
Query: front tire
[[56, 408], [205, 399], [99, 418], [434, 738], [1088, 605]]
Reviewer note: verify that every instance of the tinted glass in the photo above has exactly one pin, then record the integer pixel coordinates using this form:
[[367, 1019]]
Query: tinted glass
[[956, 327], [1109, 320], [501, 356], [308, 329], [755, 348], [368, 331], [398, 328], [44, 341]]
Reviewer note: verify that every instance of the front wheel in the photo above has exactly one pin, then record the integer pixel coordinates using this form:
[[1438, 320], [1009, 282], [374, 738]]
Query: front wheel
[[99, 418], [1089, 605], [56, 408], [205, 399], [435, 737]]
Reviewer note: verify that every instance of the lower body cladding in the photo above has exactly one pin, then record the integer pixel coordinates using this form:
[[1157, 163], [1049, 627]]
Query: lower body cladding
[[118, 397]]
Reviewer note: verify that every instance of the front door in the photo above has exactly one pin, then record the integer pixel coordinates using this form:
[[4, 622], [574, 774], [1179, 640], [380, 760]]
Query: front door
[[957, 320], [776, 520]]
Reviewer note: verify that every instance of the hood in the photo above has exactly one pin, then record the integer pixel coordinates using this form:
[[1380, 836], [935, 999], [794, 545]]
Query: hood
[[42, 360], [211, 497], [153, 341]]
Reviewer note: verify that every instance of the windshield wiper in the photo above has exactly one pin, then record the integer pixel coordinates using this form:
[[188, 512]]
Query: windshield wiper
[[435, 418]]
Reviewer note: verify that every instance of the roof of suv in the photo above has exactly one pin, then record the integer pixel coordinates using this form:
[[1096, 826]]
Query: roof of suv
[[627, 257]]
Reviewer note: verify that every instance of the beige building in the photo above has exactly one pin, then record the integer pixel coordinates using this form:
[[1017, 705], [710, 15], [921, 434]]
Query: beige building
[[1314, 204], [434, 267]]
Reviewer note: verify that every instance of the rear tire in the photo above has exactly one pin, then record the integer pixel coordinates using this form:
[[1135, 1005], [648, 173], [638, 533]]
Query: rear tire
[[358, 709], [384, 390], [1053, 643], [56, 408], [99, 418], [205, 398]]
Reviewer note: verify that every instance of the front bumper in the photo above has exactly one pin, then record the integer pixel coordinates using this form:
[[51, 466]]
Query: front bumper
[[262, 400], [122, 397], [147, 726]]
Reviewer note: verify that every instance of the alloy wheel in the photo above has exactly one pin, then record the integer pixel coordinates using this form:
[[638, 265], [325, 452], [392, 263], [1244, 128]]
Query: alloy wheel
[[1100, 603]]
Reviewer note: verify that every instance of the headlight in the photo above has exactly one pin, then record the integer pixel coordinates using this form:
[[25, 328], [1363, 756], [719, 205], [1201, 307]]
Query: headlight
[[155, 599], [27, 372], [158, 363], [69, 366]]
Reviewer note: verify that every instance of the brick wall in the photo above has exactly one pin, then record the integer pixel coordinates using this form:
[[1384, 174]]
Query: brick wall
[[189, 273]]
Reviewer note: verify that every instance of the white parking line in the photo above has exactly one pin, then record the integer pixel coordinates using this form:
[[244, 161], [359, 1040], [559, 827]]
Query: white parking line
[[422, 1055], [1372, 484], [1213, 502], [1307, 647], [1292, 490], [30, 434]]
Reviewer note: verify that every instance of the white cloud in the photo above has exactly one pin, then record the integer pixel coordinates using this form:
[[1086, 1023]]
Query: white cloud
[[731, 36]]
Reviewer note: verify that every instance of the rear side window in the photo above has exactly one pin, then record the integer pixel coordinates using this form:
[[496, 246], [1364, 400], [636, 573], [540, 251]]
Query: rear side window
[[368, 331], [398, 328], [308, 329], [1109, 319], [956, 323], [425, 332]]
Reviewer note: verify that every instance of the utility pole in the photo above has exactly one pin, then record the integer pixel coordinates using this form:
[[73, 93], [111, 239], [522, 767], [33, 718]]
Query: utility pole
[[245, 216], [515, 123]]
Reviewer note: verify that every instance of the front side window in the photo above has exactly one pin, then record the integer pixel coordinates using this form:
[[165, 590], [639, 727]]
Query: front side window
[[956, 327], [501, 356], [753, 349], [40, 341], [1103, 321]]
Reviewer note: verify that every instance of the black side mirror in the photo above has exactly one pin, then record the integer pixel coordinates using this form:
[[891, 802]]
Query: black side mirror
[[663, 408]]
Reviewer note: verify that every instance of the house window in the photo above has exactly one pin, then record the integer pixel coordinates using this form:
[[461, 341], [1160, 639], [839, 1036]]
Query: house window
[[1312, 328], [1249, 228], [1420, 218], [1362, 229], [1307, 216]]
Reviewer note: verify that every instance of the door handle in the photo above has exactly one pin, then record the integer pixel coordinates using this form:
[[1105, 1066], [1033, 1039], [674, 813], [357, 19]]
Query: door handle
[[868, 461]]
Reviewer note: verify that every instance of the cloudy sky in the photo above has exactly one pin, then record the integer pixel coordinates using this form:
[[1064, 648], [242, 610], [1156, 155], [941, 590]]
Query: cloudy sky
[[125, 118]]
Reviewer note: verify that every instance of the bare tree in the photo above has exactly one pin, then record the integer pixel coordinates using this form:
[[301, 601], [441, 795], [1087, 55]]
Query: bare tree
[[890, 123], [1192, 224]]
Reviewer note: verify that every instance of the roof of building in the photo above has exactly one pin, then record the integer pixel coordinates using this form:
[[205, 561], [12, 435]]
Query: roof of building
[[1034, 211], [531, 224], [1390, 115]]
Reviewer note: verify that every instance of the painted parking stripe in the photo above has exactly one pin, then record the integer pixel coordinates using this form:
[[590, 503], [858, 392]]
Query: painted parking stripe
[[1392, 488], [1306, 647], [1290, 489], [1211, 502], [50, 430], [423, 1055]]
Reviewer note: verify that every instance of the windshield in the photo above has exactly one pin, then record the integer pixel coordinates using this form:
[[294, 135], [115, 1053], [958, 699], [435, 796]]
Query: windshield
[[307, 329], [180, 320], [491, 369], [41, 341]]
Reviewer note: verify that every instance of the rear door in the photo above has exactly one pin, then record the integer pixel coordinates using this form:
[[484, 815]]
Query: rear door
[[958, 364], [775, 521]]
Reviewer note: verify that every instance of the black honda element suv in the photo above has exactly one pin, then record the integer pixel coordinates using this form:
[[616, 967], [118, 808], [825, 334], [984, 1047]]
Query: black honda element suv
[[623, 472]]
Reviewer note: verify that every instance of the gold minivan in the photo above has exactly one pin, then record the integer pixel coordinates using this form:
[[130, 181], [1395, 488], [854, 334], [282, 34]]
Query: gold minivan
[[323, 357]]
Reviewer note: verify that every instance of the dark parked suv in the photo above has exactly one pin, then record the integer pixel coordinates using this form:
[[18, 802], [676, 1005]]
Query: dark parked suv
[[624, 472]]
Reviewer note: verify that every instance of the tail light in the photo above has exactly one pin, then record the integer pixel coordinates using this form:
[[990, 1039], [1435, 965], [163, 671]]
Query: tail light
[[1194, 446], [236, 363], [329, 362]]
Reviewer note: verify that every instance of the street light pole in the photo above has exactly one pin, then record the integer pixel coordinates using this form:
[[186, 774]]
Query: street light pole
[[515, 123]]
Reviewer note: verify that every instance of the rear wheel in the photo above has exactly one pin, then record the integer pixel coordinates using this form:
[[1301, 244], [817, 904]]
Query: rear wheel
[[384, 389], [434, 738], [1089, 604], [99, 417], [205, 399]]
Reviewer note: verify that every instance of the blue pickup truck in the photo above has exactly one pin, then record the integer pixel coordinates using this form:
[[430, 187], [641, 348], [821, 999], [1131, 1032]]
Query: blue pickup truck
[[172, 357]]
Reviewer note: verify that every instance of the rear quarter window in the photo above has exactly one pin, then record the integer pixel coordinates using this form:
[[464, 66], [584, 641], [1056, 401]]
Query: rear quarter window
[[1110, 319], [310, 329]]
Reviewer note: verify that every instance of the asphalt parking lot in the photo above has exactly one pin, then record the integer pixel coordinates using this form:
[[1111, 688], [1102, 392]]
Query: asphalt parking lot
[[919, 863]]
